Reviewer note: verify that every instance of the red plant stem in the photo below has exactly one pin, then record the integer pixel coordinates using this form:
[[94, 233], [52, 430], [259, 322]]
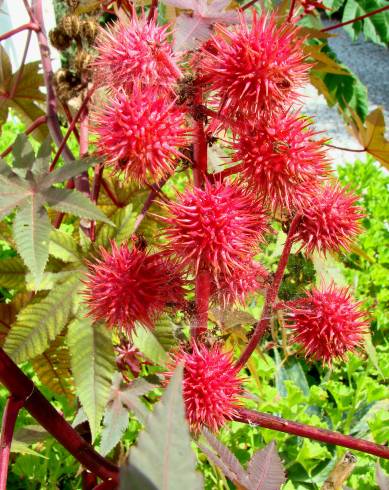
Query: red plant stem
[[82, 181], [70, 119], [111, 195], [149, 201], [72, 125], [10, 414], [277, 423], [21, 387], [271, 296], [203, 287], [21, 69], [360, 150], [361, 17], [36, 15], [291, 10], [152, 11], [106, 485], [31, 26], [38, 122], [248, 5], [60, 216], [200, 173]]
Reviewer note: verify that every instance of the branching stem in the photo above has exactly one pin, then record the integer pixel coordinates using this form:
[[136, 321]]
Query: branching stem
[[314, 433], [361, 17], [271, 296], [31, 26]]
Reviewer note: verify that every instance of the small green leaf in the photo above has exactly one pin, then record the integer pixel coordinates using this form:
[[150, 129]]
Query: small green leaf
[[145, 340], [63, 246], [123, 219], [31, 231], [38, 324], [74, 202], [163, 458], [92, 361]]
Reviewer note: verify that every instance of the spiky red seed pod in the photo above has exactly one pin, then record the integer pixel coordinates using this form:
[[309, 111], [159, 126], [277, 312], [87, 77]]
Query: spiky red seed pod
[[235, 288], [254, 69], [282, 160], [140, 134], [330, 221], [126, 286], [215, 228], [137, 51], [211, 386], [328, 323]]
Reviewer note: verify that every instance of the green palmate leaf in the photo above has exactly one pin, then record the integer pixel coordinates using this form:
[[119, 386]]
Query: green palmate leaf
[[145, 340], [68, 171], [74, 202], [163, 458], [38, 324], [31, 231], [53, 368], [41, 164], [12, 273], [92, 361], [122, 399], [13, 192], [63, 246], [123, 219]]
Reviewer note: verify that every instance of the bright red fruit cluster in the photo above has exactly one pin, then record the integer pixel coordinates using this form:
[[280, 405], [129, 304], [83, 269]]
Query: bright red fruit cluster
[[164, 109]]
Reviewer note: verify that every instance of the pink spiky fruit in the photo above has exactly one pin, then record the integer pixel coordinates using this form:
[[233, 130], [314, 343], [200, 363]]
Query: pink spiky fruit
[[126, 286], [328, 323], [215, 228], [141, 134], [330, 220], [211, 386]]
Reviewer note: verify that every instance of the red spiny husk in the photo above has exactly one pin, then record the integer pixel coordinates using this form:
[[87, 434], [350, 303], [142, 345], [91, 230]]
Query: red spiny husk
[[137, 51], [215, 228], [125, 286], [327, 322], [211, 386], [330, 220], [235, 288], [140, 134], [254, 69], [281, 160]]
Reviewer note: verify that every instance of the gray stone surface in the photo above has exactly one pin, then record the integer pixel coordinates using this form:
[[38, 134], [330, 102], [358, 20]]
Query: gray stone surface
[[371, 64]]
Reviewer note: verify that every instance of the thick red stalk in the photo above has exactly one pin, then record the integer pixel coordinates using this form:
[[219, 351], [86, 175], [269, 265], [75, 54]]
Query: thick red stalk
[[282, 425], [21, 387], [361, 17], [219, 176], [82, 181], [200, 173], [70, 119], [36, 15], [10, 414], [248, 5], [271, 296], [31, 26], [203, 287], [153, 10], [38, 122], [291, 10]]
